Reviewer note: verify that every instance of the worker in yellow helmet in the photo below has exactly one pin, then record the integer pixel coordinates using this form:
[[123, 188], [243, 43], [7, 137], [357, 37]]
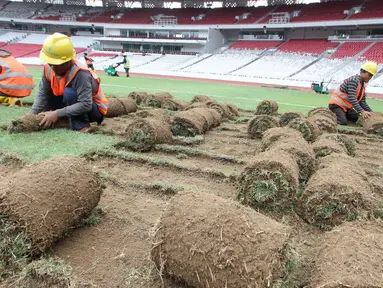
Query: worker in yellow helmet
[[68, 89], [348, 102]]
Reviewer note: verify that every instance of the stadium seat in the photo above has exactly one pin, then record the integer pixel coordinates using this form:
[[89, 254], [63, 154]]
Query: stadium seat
[[310, 46], [349, 49], [375, 53]]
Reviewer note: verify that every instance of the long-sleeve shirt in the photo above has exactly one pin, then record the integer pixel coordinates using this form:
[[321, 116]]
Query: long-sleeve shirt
[[349, 86], [82, 83]]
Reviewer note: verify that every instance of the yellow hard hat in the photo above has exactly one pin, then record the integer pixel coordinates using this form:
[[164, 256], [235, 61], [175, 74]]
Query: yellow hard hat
[[57, 49], [370, 67]]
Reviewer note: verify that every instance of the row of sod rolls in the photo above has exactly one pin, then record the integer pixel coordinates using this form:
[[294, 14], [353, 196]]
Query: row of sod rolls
[[40, 203], [374, 124], [204, 241]]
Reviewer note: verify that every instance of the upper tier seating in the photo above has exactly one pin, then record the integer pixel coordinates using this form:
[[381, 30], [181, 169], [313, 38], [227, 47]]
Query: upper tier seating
[[375, 53], [184, 16], [349, 49], [222, 15], [310, 46], [255, 15], [283, 8], [138, 16], [326, 11], [253, 45], [371, 9], [21, 10]]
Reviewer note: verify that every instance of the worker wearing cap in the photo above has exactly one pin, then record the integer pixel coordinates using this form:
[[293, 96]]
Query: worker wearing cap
[[68, 89], [348, 102], [15, 80]]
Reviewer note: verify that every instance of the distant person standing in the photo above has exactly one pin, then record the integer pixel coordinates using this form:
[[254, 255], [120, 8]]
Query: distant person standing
[[126, 63], [89, 61]]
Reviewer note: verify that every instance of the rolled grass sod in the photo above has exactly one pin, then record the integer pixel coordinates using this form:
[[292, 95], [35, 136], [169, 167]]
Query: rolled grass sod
[[348, 142], [324, 147], [196, 105], [143, 134], [309, 129], [212, 117], [335, 194], [152, 101], [269, 182], [374, 124], [278, 133], [232, 108], [207, 241], [174, 105], [287, 117], [350, 256], [324, 122], [188, 124], [201, 98], [222, 109], [120, 106], [156, 113], [45, 199], [260, 124], [301, 151], [322, 111], [267, 107], [137, 96], [26, 124]]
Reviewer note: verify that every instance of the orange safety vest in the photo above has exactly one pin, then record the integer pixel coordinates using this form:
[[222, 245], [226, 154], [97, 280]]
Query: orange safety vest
[[15, 79], [341, 99], [58, 88]]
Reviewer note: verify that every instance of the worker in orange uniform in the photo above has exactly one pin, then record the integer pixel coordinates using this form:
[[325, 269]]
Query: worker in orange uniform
[[15, 80], [89, 61], [348, 102], [68, 89]]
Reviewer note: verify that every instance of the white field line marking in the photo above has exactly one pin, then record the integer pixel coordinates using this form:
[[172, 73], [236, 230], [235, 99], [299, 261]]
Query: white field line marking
[[196, 93]]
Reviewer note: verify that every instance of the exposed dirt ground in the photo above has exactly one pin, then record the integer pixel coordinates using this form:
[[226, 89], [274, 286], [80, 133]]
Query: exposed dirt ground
[[115, 253]]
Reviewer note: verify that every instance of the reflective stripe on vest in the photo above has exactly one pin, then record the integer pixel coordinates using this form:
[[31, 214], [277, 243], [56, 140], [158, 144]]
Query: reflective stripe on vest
[[15, 79], [341, 99], [58, 88]]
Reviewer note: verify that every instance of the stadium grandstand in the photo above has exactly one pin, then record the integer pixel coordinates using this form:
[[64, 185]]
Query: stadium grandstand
[[280, 42]]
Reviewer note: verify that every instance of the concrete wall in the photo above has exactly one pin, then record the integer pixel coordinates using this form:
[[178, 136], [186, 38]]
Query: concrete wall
[[214, 40]]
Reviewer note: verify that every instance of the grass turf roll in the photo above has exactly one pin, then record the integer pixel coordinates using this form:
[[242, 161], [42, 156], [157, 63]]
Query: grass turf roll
[[143, 134], [129, 105], [120, 106], [201, 98], [222, 109], [267, 107], [157, 113], [137, 96], [324, 122], [196, 105], [374, 125], [212, 117], [188, 124], [232, 108], [47, 198], [322, 111], [26, 124], [152, 101], [350, 256], [335, 194], [207, 241], [269, 182], [174, 105], [301, 151], [278, 133], [324, 147], [342, 139], [309, 130], [287, 117], [259, 125]]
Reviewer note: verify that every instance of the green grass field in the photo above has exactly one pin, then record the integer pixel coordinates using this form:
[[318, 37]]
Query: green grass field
[[41, 145]]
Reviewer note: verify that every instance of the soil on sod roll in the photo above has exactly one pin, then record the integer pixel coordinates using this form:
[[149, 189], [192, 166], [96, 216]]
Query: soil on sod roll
[[120, 106], [348, 142], [212, 117], [222, 109], [309, 129], [152, 101], [350, 256], [323, 147], [188, 124], [143, 134], [269, 182], [322, 111], [374, 125], [289, 116], [324, 122], [336, 159], [201, 98], [196, 105], [302, 152], [207, 241], [163, 95], [174, 105], [336, 194], [278, 133], [267, 107], [260, 124], [137, 96], [47, 198], [129, 105], [26, 124]]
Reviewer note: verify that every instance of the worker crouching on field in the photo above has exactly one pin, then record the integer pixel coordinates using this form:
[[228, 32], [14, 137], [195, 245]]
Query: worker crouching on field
[[348, 102], [68, 89], [15, 80]]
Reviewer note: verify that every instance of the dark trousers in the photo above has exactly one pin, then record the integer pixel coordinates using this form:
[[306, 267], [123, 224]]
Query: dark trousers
[[127, 72], [342, 116], [80, 121]]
